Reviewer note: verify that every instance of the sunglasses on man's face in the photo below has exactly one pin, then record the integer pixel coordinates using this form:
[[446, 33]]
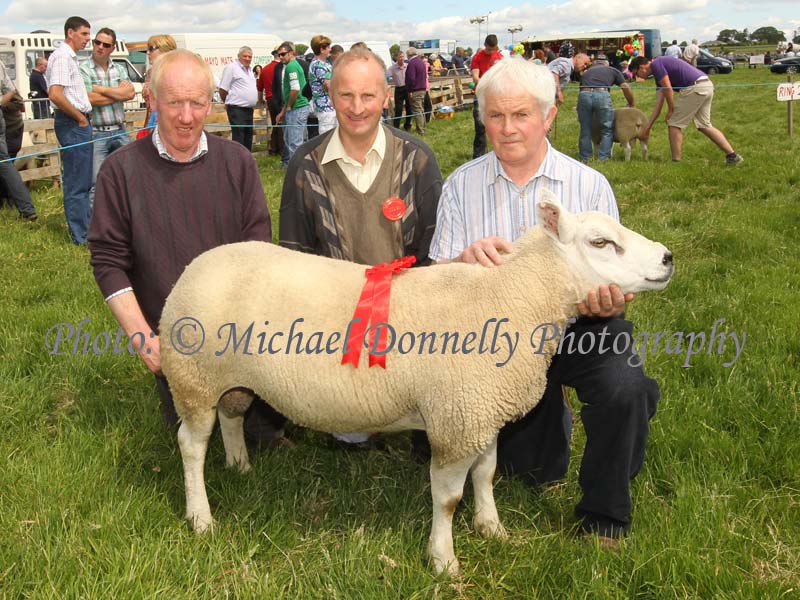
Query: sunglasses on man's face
[[282, 54], [103, 44]]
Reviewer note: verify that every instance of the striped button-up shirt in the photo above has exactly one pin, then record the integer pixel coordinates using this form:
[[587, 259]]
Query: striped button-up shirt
[[93, 74], [479, 200], [62, 69]]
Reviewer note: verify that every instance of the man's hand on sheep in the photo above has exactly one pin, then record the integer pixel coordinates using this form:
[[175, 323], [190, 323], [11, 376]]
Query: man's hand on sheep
[[485, 251], [608, 301], [126, 310], [150, 353]]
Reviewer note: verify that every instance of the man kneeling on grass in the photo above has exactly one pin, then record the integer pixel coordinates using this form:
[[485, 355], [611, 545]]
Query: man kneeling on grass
[[488, 203], [165, 199]]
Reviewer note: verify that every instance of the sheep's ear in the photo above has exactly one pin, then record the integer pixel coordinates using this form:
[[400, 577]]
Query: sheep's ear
[[557, 221]]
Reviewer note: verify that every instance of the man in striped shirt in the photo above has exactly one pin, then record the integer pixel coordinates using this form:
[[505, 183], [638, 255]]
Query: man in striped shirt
[[517, 105], [73, 130], [109, 87]]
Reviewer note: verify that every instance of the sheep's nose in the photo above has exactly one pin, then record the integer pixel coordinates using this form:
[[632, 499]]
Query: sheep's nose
[[667, 259]]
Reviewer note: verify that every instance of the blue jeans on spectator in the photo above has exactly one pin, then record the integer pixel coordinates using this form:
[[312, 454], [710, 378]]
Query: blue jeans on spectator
[[105, 142], [17, 192], [597, 104], [295, 132], [77, 176]]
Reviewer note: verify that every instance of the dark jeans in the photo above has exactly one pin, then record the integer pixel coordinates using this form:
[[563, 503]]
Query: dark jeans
[[41, 108], [77, 176], [262, 423], [241, 121], [428, 107], [13, 185], [479, 142], [618, 403], [401, 102], [276, 137], [312, 126]]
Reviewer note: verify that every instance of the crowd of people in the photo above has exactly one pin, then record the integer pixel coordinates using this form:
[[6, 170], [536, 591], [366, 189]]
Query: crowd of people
[[148, 207]]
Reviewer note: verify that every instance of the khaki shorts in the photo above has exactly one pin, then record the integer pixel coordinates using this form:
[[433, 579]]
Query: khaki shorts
[[693, 104]]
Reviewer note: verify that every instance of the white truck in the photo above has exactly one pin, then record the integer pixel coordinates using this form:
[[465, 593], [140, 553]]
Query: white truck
[[378, 47], [220, 49], [19, 52]]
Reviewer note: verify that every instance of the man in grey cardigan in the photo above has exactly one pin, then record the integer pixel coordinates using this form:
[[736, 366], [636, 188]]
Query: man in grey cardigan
[[362, 192]]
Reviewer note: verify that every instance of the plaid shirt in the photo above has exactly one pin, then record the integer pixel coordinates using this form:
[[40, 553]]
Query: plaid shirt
[[62, 69], [93, 74]]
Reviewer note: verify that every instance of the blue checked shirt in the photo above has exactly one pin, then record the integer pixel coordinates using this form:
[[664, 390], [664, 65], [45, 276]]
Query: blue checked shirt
[[479, 200], [93, 74]]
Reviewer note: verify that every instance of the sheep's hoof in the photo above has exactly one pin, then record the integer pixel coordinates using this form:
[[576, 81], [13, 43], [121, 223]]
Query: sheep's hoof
[[201, 525], [449, 568], [490, 529], [243, 466]]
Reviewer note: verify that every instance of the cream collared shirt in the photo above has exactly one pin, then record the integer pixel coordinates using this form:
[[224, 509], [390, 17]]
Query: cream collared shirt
[[361, 176]]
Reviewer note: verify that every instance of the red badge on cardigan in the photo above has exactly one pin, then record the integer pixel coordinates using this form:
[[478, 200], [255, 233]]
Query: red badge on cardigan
[[394, 208], [373, 308]]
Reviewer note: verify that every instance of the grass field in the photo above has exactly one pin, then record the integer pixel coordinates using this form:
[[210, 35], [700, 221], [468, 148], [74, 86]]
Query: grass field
[[91, 488]]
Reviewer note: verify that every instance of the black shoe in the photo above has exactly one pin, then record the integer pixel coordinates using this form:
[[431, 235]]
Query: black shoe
[[603, 527], [31, 217]]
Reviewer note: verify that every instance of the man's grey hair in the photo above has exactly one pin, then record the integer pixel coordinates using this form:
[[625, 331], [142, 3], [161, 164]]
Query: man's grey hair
[[286, 47], [245, 49], [514, 75], [411, 51]]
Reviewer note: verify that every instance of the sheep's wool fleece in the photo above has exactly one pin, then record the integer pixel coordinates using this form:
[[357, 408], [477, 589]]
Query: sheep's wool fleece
[[464, 399]]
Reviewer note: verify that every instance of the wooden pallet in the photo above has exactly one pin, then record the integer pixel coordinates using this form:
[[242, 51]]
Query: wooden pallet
[[47, 164]]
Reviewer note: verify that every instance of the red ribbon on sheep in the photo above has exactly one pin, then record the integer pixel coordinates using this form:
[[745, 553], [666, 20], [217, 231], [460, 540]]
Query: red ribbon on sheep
[[373, 307]]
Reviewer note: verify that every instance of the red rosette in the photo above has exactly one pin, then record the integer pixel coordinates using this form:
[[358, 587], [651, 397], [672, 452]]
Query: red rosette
[[373, 307], [394, 208]]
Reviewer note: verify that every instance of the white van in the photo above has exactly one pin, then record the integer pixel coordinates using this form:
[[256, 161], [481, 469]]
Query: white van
[[379, 48], [220, 49], [19, 52]]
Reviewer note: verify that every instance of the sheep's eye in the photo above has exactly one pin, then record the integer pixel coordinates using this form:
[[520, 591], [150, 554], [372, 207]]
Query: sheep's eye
[[601, 243]]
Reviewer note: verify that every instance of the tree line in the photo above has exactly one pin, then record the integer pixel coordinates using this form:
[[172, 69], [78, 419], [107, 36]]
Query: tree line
[[762, 35]]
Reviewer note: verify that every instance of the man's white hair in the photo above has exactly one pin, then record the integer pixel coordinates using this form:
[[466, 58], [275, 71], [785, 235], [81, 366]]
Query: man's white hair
[[514, 75]]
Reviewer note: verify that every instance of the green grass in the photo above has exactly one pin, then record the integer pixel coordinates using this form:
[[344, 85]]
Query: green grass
[[91, 489]]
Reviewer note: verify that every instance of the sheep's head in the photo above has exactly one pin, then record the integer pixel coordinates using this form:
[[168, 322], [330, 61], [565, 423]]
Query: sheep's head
[[600, 250]]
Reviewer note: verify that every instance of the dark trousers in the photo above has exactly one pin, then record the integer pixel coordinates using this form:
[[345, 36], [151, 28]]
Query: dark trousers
[[241, 120], [312, 126], [12, 188], [428, 107], [262, 423], [402, 102], [276, 137], [618, 403], [479, 142]]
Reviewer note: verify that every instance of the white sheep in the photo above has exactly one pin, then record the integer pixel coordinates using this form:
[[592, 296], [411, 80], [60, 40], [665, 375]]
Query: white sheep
[[461, 400], [628, 126]]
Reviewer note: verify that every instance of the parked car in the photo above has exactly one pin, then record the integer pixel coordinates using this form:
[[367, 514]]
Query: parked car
[[711, 65], [787, 64]]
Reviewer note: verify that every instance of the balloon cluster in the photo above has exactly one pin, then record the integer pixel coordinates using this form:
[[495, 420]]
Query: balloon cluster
[[516, 49], [632, 48]]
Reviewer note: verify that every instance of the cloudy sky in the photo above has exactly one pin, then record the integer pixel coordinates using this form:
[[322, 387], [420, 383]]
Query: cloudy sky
[[298, 20]]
